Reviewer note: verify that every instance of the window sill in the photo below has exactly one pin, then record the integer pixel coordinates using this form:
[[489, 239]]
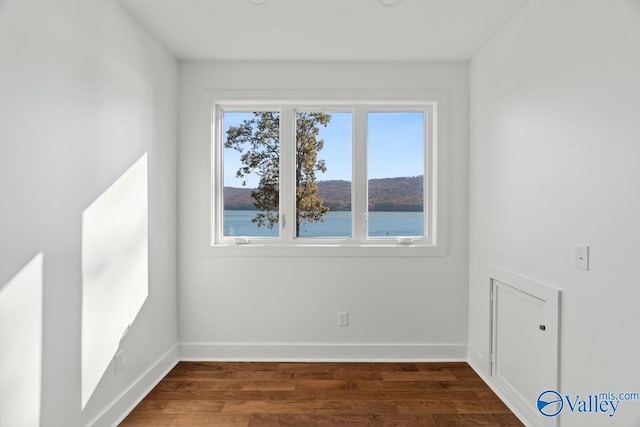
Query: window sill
[[326, 250]]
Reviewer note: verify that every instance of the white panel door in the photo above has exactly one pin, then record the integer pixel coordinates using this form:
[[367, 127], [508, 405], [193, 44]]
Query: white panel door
[[525, 344]]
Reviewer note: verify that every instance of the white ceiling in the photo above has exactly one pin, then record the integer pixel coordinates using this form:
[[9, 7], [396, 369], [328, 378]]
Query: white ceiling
[[300, 30]]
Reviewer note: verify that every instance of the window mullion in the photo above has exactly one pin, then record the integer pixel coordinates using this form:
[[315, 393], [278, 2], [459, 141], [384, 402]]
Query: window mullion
[[287, 174], [217, 177], [359, 180], [430, 174]]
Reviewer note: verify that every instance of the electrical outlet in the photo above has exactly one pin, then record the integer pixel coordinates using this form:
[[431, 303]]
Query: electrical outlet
[[118, 361], [343, 319]]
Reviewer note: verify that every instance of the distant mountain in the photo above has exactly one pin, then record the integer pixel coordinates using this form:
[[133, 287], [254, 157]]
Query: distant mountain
[[238, 198], [386, 194], [397, 194]]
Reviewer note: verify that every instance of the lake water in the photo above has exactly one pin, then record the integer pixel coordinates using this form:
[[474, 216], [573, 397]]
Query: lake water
[[336, 224]]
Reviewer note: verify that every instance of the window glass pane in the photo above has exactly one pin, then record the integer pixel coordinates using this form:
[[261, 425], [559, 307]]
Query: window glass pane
[[323, 174], [396, 174], [251, 194]]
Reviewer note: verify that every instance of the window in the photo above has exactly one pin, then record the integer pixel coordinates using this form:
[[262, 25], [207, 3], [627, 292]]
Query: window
[[396, 171], [330, 174], [323, 174], [251, 160]]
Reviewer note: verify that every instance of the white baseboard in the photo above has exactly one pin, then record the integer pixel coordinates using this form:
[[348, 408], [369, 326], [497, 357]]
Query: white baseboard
[[129, 399], [233, 352], [503, 394], [478, 361]]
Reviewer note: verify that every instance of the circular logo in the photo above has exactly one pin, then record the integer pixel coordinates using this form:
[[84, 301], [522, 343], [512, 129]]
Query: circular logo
[[550, 403]]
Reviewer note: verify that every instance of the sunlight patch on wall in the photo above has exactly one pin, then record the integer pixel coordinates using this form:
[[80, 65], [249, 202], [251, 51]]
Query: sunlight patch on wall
[[114, 270], [21, 346]]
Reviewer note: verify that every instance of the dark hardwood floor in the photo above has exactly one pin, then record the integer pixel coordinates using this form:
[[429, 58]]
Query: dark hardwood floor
[[321, 394]]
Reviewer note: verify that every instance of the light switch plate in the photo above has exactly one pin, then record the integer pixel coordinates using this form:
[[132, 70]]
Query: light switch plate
[[343, 319], [118, 361], [582, 257]]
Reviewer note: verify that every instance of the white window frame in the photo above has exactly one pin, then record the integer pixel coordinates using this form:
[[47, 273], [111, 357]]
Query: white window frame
[[359, 103]]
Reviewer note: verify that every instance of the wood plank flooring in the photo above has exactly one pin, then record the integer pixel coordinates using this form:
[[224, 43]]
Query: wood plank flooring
[[321, 394]]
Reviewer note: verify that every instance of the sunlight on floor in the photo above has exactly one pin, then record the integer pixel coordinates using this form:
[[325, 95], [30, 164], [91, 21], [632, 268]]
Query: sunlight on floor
[[21, 346], [114, 270]]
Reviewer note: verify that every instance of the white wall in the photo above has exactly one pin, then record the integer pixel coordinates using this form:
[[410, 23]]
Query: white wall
[[286, 307], [555, 145], [84, 94]]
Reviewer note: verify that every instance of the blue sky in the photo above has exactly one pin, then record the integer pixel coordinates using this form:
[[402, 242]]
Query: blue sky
[[395, 146]]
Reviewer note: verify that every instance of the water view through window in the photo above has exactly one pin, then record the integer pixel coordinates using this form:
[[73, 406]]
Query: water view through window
[[395, 166], [323, 170], [323, 174], [336, 223], [251, 172]]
